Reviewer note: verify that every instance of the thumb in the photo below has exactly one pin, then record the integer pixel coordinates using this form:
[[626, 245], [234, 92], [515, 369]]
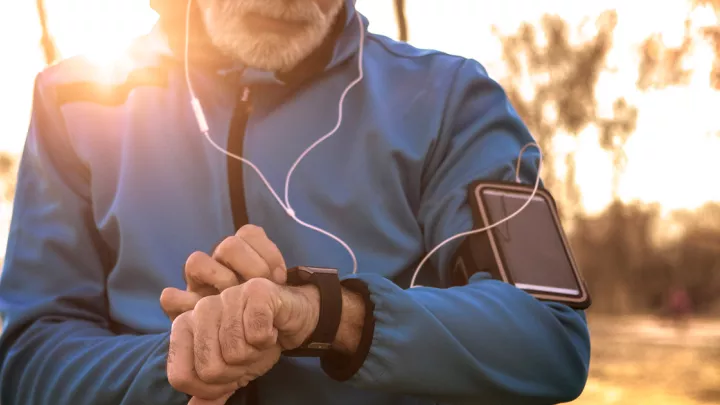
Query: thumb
[[220, 401], [297, 314], [175, 302]]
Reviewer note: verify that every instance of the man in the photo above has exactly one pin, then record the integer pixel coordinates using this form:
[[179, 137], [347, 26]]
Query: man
[[119, 194]]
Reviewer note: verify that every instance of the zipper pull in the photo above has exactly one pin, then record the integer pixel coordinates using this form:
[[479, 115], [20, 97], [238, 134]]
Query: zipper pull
[[245, 99]]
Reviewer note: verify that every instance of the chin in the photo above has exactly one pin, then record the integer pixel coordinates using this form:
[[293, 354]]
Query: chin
[[270, 52], [274, 54]]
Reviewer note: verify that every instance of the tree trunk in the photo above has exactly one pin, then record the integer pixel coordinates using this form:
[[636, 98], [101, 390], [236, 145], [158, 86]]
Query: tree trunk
[[48, 44], [401, 20]]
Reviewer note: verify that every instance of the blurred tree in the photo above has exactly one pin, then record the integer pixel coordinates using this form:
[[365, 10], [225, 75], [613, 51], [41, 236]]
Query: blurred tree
[[8, 173], [47, 42], [662, 66], [614, 133], [628, 270], [699, 266], [614, 251], [713, 34], [713, 3], [401, 20], [563, 77]]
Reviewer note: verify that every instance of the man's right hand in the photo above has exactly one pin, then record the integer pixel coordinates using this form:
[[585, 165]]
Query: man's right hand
[[233, 338], [246, 255]]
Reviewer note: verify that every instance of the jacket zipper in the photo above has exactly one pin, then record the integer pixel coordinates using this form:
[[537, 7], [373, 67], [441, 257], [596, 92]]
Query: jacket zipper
[[236, 137]]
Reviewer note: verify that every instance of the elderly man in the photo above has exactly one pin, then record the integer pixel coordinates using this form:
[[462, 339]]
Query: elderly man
[[122, 197]]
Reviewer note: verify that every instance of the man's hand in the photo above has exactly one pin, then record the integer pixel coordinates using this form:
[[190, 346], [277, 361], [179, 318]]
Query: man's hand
[[246, 255], [230, 339]]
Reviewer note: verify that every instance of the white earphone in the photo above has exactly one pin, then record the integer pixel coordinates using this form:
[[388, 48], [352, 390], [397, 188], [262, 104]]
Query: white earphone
[[205, 130]]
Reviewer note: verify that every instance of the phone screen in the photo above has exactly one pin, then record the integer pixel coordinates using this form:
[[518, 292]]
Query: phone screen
[[534, 252]]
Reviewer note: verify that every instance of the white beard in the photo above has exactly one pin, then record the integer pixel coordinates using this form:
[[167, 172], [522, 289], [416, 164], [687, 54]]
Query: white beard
[[270, 49]]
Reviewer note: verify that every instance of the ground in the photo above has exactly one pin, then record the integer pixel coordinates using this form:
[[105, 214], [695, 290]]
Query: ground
[[644, 360]]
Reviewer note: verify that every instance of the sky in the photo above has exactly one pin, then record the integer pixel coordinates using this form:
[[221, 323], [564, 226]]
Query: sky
[[673, 155]]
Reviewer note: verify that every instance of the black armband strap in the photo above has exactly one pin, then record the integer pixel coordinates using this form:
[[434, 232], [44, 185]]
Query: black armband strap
[[340, 366]]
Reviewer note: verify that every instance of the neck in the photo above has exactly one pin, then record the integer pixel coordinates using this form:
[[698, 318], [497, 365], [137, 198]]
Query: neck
[[318, 60]]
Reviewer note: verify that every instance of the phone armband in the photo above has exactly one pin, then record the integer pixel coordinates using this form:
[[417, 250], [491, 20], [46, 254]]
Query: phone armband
[[529, 250]]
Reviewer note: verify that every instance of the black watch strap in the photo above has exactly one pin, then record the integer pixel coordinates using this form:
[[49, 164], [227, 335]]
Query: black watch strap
[[328, 284]]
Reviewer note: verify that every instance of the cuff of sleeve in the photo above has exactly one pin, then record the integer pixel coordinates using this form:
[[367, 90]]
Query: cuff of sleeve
[[342, 367]]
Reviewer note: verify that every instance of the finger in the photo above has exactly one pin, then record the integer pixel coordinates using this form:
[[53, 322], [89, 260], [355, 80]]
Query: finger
[[233, 346], [256, 237], [209, 363], [235, 254], [258, 320], [219, 401], [174, 302], [292, 309], [206, 276], [268, 358], [180, 363]]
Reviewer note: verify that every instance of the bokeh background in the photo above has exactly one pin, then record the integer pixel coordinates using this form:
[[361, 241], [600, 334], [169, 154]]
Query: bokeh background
[[624, 98]]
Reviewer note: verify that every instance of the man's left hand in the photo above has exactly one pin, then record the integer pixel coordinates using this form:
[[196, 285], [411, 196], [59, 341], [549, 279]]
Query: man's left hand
[[246, 255]]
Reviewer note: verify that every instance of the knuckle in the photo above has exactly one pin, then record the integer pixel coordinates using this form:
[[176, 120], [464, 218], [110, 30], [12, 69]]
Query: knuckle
[[194, 262], [258, 285], [251, 229], [231, 295], [182, 319], [225, 247], [232, 342], [180, 323], [210, 372], [166, 297], [181, 381], [177, 382], [275, 250], [258, 323], [202, 354], [207, 304]]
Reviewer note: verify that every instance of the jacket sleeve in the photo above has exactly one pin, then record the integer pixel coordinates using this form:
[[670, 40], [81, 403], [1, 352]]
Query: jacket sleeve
[[486, 342], [56, 345]]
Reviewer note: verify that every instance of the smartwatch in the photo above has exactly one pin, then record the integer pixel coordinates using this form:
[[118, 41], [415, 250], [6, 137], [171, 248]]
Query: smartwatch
[[327, 282]]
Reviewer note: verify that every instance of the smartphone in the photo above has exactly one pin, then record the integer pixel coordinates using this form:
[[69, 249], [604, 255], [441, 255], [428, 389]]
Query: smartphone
[[529, 251]]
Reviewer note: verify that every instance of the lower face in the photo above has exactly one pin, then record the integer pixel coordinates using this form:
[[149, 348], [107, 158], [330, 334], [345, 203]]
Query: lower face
[[273, 35]]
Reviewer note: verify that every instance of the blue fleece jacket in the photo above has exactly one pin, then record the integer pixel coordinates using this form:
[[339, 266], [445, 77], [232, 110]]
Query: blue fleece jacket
[[117, 188]]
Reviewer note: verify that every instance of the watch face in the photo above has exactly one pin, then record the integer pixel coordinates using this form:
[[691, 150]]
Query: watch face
[[319, 346], [324, 270], [303, 274]]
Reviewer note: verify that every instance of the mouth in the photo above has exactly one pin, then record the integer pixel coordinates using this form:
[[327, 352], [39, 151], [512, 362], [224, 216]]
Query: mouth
[[257, 22]]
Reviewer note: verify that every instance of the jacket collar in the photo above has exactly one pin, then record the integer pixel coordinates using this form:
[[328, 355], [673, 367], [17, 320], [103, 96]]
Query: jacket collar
[[168, 39]]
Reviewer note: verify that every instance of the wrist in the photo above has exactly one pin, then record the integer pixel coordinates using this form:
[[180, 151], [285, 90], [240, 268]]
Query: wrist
[[352, 317], [310, 296], [352, 322]]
